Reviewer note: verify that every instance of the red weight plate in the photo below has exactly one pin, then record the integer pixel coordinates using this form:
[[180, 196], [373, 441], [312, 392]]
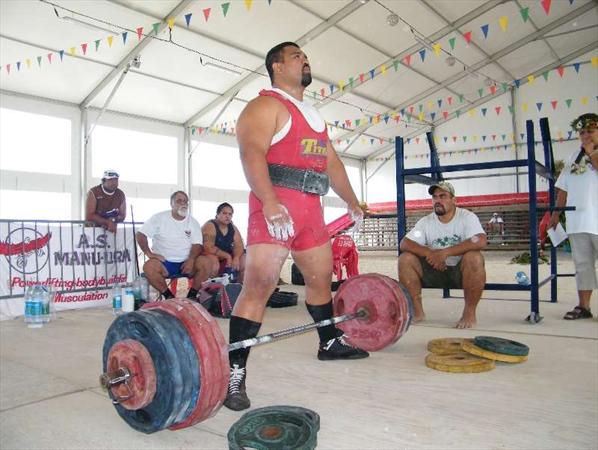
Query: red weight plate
[[382, 327], [134, 356], [222, 362], [206, 347], [403, 301]]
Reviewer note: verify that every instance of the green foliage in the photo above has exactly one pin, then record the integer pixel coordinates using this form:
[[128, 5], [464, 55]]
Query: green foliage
[[526, 258]]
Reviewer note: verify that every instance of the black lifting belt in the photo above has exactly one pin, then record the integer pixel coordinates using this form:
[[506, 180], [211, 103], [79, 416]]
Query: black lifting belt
[[303, 180]]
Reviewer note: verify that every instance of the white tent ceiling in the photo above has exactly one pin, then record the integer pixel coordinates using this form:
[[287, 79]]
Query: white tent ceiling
[[343, 39]]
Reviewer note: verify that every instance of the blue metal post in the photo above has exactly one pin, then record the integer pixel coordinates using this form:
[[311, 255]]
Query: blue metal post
[[400, 182], [549, 163], [534, 316]]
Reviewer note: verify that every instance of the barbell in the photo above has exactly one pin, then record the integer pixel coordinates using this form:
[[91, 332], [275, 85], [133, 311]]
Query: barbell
[[166, 365]]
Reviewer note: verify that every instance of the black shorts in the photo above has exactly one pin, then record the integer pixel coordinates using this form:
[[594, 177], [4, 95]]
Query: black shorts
[[449, 278]]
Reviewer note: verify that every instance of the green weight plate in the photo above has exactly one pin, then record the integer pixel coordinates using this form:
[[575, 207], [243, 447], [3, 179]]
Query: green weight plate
[[500, 345], [275, 428]]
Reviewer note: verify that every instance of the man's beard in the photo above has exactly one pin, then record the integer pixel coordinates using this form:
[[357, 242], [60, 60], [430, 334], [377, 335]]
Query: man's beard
[[439, 210], [306, 79], [182, 212]]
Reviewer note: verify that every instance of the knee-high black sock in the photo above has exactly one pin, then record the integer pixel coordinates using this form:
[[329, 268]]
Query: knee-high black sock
[[319, 313], [241, 329]]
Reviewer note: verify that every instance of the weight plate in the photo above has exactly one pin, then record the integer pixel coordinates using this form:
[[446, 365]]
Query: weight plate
[[459, 363], [445, 346], [470, 347], [500, 345], [141, 387], [387, 308], [275, 428], [154, 334]]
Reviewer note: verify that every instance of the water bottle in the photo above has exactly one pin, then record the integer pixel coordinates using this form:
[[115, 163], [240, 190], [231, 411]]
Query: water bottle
[[522, 279], [145, 288], [45, 297], [128, 304], [33, 307], [232, 274], [117, 300], [137, 289]]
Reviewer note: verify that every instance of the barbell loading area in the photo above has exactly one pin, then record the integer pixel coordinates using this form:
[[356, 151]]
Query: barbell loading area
[[166, 365]]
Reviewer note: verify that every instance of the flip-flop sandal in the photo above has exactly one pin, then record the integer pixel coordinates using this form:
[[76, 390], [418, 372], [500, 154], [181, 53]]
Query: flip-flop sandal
[[578, 313]]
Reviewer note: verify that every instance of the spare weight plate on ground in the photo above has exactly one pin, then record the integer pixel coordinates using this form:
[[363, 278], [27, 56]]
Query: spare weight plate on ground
[[282, 299], [386, 304], [275, 428], [500, 345], [156, 337], [459, 363], [445, 346], [469, 346]]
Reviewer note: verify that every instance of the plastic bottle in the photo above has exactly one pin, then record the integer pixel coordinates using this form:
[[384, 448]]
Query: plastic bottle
[[145, 288], [522, 279], [45, 297], [117, 300], [128, 299], [33, 307], [137, 289]]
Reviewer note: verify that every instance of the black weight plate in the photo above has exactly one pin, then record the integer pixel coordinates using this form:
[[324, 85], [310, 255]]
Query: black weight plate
[[282, 299], [500, 345], [275, 428], [155, 335]]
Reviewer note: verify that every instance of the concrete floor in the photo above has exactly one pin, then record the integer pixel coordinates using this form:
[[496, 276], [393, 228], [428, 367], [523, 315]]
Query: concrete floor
[[50, 399]]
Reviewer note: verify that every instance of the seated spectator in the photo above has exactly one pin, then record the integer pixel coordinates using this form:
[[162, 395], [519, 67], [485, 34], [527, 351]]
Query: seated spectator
[[496, 224], [443, 250], [176, 247], [106, 203], [223, 244]]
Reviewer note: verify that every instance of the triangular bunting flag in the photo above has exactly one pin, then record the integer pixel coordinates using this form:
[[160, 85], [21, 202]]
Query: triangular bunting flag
[[494, 137], [461, 96], [39, 63], [545, 75], [484, 138], [497, 109], [110, 39], [421, 107], [480, 92], [517, 83], [155, 27], [445, 138], [503, 22], [560, 70], [505, 86], [594, 61], [539, 106], [187, 21], [372, 73], [531, 79], [493, 89], [510, 109], [421, 116], [577, 66], [417, 140], [458, 112], [432, 115], [351, 80], [61, 53], [124, 35], [464, 138], [467, 37], [407, 60], [206, 13], [439, 102], [84, 48], [445, 114], [569, 134], [522, 135], [484, 110], [50, 57], [524, 14], [72, 51], [248, 4], [386, 118], [395, 64], [8, 68], [97, 44], [422, 54], [584, 100], [452, 43], [449, 100], [170, 23], [485, 29], [341, 85], [331, 88], [454, 138], [553, 103], [568, 102], [18, 66], [437, 49], [546, 5], [524, 107], [140, 31]]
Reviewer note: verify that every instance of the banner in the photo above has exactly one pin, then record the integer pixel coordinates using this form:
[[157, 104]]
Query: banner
[[72, 260]]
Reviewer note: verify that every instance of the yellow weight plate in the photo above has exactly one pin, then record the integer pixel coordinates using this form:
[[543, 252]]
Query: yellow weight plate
[[459, 363], [445, 346], [473, 349]]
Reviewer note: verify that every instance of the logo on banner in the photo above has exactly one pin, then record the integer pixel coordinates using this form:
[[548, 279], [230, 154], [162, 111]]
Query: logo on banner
[[25, 250]]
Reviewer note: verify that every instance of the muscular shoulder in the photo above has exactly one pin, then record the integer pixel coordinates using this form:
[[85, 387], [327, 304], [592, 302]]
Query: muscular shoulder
[[263, 112], [208, 227]]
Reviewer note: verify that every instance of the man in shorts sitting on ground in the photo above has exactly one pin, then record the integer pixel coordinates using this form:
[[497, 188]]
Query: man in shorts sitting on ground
[[443, 250]]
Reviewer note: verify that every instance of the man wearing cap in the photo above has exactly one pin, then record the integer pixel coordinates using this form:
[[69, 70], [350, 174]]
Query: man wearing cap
[[443, 250], [577, 186], [496, 224], [106, 203]]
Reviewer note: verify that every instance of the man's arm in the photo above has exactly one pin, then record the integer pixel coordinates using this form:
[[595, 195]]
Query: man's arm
[[144, 246], [407, 245], [209, 242], [561, 201]]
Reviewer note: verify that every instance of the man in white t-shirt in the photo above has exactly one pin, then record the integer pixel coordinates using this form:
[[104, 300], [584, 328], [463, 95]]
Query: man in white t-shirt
[[496, 224], [577, 186], [176, 247], [444, 250]]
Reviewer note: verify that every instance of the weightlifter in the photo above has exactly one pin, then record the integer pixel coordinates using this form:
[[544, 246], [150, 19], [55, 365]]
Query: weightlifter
[[289, 163]]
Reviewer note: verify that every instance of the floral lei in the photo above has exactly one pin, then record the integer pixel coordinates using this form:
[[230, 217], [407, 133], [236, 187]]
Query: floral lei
[[580, 168]]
